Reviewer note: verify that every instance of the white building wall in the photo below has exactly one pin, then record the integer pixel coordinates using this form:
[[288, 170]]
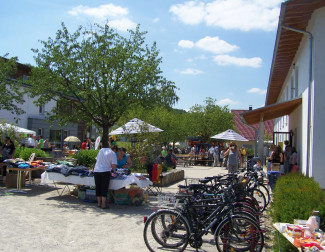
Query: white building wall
[[317, 27], [30, 111]]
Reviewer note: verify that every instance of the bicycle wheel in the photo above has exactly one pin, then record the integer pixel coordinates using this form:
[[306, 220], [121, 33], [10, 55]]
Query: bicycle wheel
[[259, 196], [266, 193], [239, 233], [166, 230]]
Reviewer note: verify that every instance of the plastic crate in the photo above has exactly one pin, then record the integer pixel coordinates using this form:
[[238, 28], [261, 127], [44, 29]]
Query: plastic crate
[[82, 194]]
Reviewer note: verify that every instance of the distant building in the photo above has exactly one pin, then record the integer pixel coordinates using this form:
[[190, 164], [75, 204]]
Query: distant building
[[34, 119], [295, 94], [250, 132]]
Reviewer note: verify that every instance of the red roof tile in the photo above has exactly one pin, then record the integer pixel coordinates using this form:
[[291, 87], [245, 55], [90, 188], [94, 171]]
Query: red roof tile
[[245, 130]]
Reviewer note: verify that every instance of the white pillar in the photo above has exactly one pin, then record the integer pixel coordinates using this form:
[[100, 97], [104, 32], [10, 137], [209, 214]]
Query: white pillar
[[261, 140]]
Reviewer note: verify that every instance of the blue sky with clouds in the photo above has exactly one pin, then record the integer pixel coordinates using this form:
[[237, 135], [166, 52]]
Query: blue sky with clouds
[[210, 48]]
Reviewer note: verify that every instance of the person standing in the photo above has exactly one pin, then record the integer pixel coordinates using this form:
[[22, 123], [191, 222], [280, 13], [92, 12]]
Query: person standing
[[89, 144], [234, 160], [163, 152], [215, 156], [8, 151], [40, 142], [286, 159], [105, 161], [210, 155], [293, 159], [84, 145], [30, 142], [221, 153]]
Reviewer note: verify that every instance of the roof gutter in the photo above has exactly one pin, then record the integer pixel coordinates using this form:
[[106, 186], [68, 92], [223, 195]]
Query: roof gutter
[[309, 89]]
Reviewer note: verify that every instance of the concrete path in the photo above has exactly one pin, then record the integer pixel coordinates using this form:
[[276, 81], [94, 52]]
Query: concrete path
[[40, 220]]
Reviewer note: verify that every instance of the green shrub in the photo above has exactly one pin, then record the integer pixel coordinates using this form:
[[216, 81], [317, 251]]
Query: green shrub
[[25, 153], [86, 157], [295, 197]]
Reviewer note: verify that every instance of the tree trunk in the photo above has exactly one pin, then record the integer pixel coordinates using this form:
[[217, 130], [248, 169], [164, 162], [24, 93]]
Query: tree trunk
[[105, 136]]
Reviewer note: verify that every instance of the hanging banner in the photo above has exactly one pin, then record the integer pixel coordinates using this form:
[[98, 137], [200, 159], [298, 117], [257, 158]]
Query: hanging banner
[[97, 142]]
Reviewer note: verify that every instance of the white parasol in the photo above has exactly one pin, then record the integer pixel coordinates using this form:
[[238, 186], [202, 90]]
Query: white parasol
[[230, 135], [135, 126], [72, 139]]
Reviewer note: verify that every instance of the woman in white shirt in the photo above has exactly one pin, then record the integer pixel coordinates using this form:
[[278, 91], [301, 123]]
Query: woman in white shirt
[[105, 161]]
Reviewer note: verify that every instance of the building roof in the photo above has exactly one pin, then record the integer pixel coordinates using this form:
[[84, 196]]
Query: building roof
[[247, 131], [294, 14]]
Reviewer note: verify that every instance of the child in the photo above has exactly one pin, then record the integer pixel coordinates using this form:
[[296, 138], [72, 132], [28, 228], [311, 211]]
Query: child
[[258, 165]]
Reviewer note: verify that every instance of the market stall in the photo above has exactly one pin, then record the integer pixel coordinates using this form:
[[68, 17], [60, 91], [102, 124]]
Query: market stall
[[115, 183], [302, 235]]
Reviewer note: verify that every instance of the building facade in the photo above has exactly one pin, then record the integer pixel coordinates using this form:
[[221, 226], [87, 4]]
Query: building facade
[[296, 90]]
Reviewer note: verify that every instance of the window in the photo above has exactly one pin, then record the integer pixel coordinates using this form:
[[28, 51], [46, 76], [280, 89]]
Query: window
[[41, 110], [40, 132], [55, 136], [65, 134]]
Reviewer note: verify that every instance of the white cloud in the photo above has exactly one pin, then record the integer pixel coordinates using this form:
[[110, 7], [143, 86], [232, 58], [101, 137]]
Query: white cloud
[[190, 13], [186, 43], [257, 91], [244, 15], [210, 44], [225, 60], [122, 24], [102, 12], [191, 71], [156, 20], [115, 15], [215, 45], [226, 101]]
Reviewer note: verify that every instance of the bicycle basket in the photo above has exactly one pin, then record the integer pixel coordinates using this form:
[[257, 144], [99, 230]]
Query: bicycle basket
[[167, 201]]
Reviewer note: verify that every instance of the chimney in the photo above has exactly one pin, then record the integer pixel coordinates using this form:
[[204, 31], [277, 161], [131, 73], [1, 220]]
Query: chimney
[[250, 107]]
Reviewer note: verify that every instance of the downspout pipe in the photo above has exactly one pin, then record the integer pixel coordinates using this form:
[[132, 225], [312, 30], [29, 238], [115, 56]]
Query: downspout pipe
[[309, 89]]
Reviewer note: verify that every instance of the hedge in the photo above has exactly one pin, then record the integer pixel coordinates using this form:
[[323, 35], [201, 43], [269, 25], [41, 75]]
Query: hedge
[[25, 153], [295, 197]]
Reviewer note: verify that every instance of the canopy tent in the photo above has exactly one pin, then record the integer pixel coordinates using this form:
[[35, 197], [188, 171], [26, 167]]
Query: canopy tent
[[135, 126], [17, 129], [230, 135]]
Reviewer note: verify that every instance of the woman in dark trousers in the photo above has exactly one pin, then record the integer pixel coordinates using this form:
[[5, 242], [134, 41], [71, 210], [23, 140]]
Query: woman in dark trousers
[[105, 161], [8, 151]]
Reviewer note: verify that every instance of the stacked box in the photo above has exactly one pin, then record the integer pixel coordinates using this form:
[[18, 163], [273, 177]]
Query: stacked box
[[91, 195], [122, 196]]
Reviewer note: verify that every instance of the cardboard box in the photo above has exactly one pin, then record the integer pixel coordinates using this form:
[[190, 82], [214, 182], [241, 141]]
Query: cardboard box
[[11, 180], [275, 167], [122, 196]]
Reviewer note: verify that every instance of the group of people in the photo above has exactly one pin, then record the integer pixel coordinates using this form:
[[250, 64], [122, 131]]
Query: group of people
[[38, 142], [107, 160], [287, 158], [87, 144]]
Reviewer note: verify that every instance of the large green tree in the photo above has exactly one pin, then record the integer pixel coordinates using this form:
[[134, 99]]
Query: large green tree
[[209, 119], [96, 75], [10, 85]]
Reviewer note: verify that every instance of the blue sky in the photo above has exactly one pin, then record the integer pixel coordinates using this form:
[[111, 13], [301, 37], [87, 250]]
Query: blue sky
[[210, 48]]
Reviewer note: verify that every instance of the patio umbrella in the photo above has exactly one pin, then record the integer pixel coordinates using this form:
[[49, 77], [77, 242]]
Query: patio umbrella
[[72, 139], [230, 135], [135, 126]]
